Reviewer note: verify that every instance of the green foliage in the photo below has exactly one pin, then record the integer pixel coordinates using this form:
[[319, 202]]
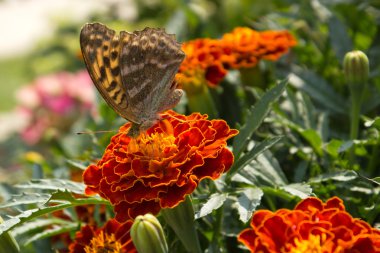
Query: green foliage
[[294, 138], [255, 117]]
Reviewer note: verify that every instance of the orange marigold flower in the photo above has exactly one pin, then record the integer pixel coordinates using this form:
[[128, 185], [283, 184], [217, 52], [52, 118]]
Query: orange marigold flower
[[113, 237], [242, 48], [313, 226], [249, 46], [160, 167], [205, 56]]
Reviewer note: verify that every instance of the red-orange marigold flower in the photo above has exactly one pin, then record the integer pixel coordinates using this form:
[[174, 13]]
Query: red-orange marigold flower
[[113, 237], [242, 48], [160, 167], [249, 46], [205, 56], [313, 226]]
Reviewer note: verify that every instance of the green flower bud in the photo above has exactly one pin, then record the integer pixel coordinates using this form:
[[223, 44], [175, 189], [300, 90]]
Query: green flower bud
[[7, 242], [356, 67], [147, 235]]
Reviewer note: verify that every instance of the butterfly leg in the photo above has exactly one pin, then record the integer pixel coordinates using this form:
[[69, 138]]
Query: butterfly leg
[[172, 100]]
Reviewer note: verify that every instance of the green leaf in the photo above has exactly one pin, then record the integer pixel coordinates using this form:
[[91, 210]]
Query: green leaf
[[247, 202], [72, 226], [336, 147], [345, 175], [252, 154], [54, 185], [300, 190], [372, 122], [332, 148], [59, 200], [264, 171], [318, 88], [216, 200], [375, 180], [339, 38], [314, 140], [8, 243], [76, 164], [37, 224], [25, 199], [255, 117]]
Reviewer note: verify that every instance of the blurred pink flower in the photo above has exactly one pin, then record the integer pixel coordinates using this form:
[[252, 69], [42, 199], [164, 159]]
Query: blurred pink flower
[[54, 102]]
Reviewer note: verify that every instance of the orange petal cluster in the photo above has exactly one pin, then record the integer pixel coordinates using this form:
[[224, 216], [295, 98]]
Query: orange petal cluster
[[160, 167], [313, 226], [242, 48], [113, 237]]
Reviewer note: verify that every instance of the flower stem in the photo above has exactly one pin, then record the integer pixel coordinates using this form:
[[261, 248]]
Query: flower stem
[[357, 95], [202, 102], [215, 246], [181, 220]]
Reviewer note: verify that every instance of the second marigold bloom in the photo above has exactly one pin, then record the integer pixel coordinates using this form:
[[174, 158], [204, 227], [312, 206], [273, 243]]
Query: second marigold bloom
[[313, 226], [209, 60], [113, 237], [160, 167]]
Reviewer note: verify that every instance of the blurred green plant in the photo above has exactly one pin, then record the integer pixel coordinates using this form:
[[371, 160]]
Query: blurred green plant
[[294, 136]]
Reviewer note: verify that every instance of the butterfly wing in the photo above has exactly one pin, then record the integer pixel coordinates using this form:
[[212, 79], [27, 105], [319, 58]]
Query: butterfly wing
[[149, 61], [101, 49]]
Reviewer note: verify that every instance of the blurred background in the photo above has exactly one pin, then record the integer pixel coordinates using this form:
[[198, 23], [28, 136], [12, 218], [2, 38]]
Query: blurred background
[[46, 94], [42, 72]]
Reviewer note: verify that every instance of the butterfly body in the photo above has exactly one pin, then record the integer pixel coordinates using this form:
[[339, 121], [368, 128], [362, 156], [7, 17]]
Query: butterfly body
[[133, 72]]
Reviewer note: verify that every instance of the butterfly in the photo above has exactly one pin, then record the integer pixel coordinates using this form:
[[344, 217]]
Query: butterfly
[[134, 72]]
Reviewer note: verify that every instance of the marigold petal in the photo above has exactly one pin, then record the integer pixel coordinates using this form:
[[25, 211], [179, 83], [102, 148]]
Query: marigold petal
[[160, 167], [125, 211], [246, 237], [177, 194], [214, 167], [335, 202], [312, 225], [310, 204]]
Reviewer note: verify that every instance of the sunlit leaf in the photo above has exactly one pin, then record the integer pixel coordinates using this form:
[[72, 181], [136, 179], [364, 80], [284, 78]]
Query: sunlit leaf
[[264, 171], [253, 153], [247, 203], [215, 201], [346, 175], [58, 200], [25, 199], [300, 190], [53, 185]]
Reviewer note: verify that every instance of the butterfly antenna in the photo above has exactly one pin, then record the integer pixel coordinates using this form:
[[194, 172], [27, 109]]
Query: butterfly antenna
[[96, 132]]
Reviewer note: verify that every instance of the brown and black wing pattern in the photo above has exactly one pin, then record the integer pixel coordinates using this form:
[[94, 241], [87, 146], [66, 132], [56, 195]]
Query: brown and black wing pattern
[[101, 49], [149, 61]]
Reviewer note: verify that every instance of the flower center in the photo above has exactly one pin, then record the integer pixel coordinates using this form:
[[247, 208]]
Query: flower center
[[103, 244], [314, 244], [155, 145]]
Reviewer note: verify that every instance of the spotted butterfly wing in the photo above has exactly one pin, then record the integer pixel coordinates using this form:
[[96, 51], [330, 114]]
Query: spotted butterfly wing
[[149, 61], [133, 72], [101, 49]]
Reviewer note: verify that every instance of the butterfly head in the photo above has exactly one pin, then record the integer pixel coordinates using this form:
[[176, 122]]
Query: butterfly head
[[136, 129]]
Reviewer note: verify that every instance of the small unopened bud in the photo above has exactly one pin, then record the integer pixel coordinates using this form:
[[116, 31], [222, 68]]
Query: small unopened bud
[[356, 67], [147, 235]]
